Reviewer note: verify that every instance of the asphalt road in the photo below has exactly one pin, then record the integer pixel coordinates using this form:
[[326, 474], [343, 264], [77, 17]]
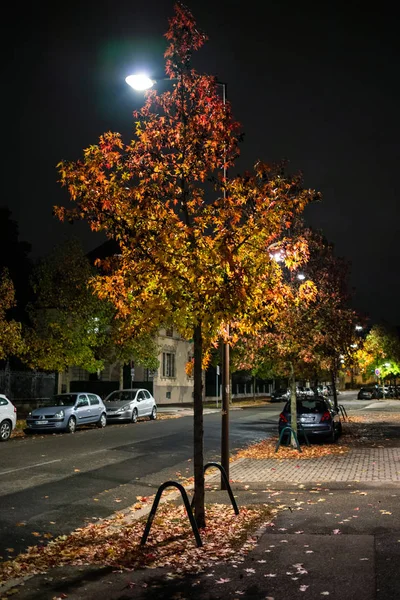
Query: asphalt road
[[53, 483]]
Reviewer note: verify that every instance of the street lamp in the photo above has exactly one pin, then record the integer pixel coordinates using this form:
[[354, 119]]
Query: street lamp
[[139, 82], [142, 82]]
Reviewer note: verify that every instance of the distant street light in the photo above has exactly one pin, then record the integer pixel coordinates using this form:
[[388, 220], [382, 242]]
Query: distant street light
[[301, 276], [359, 328]]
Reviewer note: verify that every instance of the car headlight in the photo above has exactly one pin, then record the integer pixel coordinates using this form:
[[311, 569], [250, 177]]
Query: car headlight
[[124, 408], [30, 414], [60, 414]]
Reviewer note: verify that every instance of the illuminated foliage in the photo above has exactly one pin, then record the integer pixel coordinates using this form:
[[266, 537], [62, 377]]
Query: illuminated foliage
[[315, 326], [10, 330], [381, 350], [194, 245]]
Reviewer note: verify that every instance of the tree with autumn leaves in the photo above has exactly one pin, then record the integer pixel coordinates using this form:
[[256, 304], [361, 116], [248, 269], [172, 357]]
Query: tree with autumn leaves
[[189, 251], [380, 350], [72, 327], [10, 330], [315, 326]]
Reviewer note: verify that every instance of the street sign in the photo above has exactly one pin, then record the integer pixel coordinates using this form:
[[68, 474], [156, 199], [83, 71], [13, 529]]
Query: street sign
[[133, 373], [217, 369], [377, 372]]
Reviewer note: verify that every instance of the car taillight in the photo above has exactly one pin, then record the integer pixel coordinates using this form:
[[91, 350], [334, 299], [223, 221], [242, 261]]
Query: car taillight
[[326, 416], [283, 418]]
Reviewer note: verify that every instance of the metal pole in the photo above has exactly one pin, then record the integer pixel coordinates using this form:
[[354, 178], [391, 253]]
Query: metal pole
[[216, 384], [225, 368], [225, 412]]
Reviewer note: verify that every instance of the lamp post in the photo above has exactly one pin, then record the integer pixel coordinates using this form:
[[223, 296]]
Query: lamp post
[[142, 82]]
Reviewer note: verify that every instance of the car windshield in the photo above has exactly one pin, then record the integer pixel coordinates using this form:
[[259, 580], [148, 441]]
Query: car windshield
[[64, 400], [122, 396], [309, 406]]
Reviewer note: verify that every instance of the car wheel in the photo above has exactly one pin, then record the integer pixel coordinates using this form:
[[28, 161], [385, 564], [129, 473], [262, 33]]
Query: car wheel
[[153, 415], [71, 425], [5, 431], [340, 430], [134, 415], [102, 422]]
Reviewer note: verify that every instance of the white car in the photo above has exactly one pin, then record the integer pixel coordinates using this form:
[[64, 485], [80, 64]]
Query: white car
[[8, 418], [129, 405]]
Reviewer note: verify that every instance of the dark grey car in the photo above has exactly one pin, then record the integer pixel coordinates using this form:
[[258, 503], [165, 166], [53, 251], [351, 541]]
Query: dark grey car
[[315, 416], [280, 395]]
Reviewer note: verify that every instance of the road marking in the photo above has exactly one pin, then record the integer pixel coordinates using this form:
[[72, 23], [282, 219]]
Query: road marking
[[49, 462]]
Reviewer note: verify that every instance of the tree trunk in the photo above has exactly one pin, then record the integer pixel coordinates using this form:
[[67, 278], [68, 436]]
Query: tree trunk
[[59, 381], [198, 451], [293, 405], [121, 376]]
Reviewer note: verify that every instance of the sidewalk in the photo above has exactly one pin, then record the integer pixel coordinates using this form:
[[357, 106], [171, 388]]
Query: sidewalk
[[337, 534]]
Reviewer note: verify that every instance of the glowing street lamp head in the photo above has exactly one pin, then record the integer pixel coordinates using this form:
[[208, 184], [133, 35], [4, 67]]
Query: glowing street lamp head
[[139, 82], [301, 276], [358, 327], [277, 257]]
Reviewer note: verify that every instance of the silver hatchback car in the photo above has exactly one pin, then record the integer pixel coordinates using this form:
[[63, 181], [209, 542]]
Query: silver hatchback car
[[67, 412], [129, 405]]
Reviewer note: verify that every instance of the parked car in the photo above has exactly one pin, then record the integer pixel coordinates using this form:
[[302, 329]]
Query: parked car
[[8, 418], [66, 412], [315, 416], [393, 391], [365, 393], [371, 393], [330, 390], [129, 405], [280, 394], [323, 390]]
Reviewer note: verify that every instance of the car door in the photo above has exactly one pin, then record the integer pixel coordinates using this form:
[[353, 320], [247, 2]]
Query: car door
[[82, 410], [147, 403], [141, 403], [95, 408]]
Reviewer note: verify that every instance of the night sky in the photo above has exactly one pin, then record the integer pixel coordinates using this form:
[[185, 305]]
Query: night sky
[[315, 84]]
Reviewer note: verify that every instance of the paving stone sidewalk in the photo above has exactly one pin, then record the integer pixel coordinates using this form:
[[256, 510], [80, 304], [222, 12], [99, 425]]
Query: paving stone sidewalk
[[360, 464]]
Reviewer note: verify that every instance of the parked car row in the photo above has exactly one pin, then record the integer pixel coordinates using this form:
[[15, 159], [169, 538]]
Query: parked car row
[[67, 412], [374, 392], [281, 394]]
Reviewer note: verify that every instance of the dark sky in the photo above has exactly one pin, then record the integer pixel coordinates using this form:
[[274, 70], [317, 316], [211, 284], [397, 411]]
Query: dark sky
[[317, 84]]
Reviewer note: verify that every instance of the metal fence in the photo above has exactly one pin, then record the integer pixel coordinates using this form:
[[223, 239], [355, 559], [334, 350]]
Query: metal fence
[[26, 384]]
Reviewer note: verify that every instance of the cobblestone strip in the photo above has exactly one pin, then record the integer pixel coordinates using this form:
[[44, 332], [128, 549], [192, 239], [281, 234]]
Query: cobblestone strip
[[361, 464]]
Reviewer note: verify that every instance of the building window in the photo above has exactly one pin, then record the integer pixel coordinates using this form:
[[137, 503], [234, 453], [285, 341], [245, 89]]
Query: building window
[[169, 332], [149, 374], [168, 364]]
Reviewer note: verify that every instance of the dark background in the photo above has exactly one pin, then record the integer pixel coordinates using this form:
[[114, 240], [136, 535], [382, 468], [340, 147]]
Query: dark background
[[316, 84]]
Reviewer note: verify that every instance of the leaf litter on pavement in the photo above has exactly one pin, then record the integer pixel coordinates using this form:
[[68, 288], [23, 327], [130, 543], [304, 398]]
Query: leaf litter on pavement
[[115, 542]]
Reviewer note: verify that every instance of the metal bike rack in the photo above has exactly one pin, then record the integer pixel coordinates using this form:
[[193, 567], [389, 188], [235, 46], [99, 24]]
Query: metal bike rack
[[292, 432], [228, 487], [343, 412], [187, 506]]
